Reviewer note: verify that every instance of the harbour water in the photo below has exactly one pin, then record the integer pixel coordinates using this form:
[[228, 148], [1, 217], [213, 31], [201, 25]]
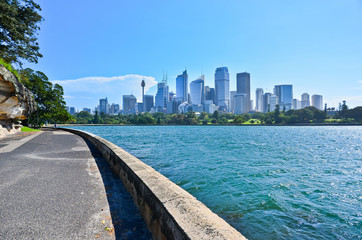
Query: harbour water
[[275, 182]]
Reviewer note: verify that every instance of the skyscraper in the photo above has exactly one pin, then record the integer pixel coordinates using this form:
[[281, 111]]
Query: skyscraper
[[222, 88], [210, 94], [243, 86], [232, 101], [143, 84], [181, 87], [266, 102], [285, 96], [103, 106], [305, 100], [259, 99], [129, 103], [197, 91], [317, 101], [148, 102], [240, 103], [161, 95]]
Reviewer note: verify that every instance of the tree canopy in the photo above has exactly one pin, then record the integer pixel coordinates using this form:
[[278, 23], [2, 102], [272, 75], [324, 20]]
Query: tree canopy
[[49, 99], [19, 21]]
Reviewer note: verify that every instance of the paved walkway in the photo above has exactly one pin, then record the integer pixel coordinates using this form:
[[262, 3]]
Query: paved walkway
[[54, 185]]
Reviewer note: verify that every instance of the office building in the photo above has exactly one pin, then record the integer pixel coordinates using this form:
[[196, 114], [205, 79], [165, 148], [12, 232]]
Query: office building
[[296, 104], [317, 101], [210, 107], [240, 103], [148, 103], [71, 110], [181, 87], [305, 102], [162, 96], [197, 91], [129, 104], [273, 102], [243, 86], [210, 94], [103, 106], [259, 100], [232, 101], [87, 110], [222, 88], [285, 96], [266, 102]]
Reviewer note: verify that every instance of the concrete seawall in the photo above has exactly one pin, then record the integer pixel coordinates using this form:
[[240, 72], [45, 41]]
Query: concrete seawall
[[169, 211]]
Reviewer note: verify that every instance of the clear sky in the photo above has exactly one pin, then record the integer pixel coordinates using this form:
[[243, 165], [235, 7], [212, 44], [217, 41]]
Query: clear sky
[[98, 49]]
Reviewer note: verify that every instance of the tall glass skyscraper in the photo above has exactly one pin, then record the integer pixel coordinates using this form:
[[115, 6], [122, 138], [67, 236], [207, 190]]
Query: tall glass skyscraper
[[197, 91], [243, 86], [161, 95], [285, 96], [317, 101], [103, 106], [181, 87], [259, 99], [305, 100], [222, 88]]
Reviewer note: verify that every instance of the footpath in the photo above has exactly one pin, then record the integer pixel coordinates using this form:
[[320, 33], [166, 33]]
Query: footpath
[[55, 185]]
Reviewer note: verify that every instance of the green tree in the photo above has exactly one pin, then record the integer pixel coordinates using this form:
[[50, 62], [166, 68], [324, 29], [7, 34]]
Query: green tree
[[49, 99], [19, 21], [215, 115]]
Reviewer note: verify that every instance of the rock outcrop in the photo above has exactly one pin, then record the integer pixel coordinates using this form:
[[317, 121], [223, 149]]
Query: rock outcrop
[[16, 102]]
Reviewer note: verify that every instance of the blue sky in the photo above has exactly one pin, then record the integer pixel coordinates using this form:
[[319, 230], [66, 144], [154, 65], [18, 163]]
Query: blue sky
[[98, 49]]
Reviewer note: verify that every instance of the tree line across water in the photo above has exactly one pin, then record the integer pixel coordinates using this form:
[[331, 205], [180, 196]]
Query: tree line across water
[[308, 115]]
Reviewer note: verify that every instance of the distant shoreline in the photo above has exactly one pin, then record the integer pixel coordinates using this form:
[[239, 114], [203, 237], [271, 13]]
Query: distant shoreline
[[241, 125]]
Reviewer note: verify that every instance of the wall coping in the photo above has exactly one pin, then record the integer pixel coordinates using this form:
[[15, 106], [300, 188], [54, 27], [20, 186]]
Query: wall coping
[[169, 211]]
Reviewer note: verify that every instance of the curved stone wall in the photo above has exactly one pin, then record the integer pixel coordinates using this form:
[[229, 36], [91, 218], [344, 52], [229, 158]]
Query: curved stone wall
[[169, 211]]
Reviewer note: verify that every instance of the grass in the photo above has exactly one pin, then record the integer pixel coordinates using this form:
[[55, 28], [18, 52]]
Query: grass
[[27, 129], [9, 67]]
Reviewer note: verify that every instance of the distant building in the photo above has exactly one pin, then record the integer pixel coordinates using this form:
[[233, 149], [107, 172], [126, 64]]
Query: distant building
[[296, 104], [162, 96], [210, 94], [285, 96], [139, 107], [116, 108], [243, 86], [266, 102], [273, 102], [148, 102], [210, 107], [87, 110], [232, 101], [172, 107], [171, 96], [129, 104], [317, 101], [241, 103], [259, 100], [103, 106], [222, 88], [197, 91], [181, 87], [71, 110], [305, 102]]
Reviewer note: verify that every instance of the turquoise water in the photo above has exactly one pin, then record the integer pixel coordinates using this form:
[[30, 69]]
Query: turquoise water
[[268, 182]]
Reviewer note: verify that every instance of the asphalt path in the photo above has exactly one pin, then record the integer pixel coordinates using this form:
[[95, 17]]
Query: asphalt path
[[55, 185]]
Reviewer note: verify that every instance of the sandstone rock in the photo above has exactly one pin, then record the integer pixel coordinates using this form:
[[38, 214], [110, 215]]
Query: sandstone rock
[[16, 102]]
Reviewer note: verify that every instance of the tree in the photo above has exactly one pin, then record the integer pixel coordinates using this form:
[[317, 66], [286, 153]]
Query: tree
[[49, 99], [215, 115], [19, 21]]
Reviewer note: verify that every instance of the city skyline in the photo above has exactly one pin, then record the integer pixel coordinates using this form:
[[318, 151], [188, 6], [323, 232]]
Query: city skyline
[[298, 43], [200, 99]]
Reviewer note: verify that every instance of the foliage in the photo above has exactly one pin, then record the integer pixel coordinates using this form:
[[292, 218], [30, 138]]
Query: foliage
[[301, 116], [10, 68], [49, 99], [19, 21]]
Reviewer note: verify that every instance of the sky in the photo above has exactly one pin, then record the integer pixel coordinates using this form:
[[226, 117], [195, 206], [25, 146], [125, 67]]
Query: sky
[[97, 49]]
